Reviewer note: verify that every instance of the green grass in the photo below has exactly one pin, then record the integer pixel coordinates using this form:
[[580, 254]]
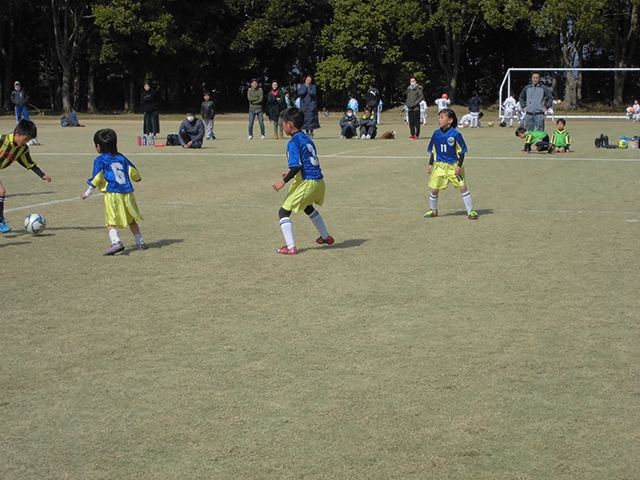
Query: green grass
[[412, 348]]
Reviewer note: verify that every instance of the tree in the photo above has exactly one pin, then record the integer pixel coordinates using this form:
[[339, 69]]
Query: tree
[[623, 26], [71, 24]]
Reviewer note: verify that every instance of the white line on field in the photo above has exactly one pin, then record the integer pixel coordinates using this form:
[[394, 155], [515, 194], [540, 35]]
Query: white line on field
[[44, 204]]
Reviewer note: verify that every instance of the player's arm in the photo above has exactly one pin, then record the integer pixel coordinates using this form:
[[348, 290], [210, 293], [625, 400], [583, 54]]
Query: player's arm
[[26, 161]]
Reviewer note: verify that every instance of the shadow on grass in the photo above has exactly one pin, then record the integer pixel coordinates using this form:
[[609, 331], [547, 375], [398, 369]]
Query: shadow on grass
[[12, 244], [29, 194], [152, 245], [356, 242], [462, 213]]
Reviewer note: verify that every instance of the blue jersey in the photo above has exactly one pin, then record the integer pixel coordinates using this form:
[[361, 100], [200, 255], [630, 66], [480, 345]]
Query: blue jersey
[[353, 104], [113, 173], [447, 146], [301, 152]]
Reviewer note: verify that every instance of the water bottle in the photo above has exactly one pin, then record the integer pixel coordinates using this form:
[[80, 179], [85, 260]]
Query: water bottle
[[152, 139], [144, 140], [139, 141]]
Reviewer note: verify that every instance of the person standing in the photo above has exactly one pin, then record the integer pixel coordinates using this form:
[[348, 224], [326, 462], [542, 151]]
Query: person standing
[[208, 112], [150, 107], [20, 100], [255, 95], [474, 110], [414, 96], [308, 95], [535, 98], [373, 99], [276, 103]]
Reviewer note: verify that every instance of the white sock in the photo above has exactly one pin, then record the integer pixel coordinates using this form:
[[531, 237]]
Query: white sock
[[317, 221], [113, 235], [433, 201], [466, 198], [287, 231], [138, 238]]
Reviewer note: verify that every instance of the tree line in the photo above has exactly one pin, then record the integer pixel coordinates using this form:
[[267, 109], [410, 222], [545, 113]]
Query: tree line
[[94, 55]]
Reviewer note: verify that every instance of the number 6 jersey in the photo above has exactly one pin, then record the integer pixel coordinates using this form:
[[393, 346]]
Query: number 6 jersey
[[113, 173]]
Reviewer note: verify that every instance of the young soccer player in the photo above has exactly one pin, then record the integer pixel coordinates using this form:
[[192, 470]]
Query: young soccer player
[[509, 106], [13, 147], [539, 137], [560, 141], [112, 174], [447, 149], [307, 187]]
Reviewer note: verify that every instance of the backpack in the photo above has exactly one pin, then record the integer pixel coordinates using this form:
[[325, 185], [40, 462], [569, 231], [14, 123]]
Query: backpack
[[602, 141], [70, 121], [173, 139]]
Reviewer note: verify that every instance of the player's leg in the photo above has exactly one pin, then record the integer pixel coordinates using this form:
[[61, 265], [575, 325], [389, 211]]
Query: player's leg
[[287, 232], [4, 228], [468, 204], [433, 204], [116, 243], [135, 229], [318, 222]]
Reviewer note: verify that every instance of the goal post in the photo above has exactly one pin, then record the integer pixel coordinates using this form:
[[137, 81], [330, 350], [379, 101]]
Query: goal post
[[506, 85]]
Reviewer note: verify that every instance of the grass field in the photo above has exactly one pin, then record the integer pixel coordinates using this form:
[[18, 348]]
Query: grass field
[[505, 348]]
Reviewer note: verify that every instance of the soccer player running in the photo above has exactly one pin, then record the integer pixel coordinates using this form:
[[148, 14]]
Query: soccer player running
[[447, 149], [307, 187]]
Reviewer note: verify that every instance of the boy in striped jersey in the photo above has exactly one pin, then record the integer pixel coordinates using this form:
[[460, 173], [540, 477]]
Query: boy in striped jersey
[[13, 147]]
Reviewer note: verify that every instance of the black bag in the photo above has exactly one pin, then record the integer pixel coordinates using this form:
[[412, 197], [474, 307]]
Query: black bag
[[602, 141], [173, 139]]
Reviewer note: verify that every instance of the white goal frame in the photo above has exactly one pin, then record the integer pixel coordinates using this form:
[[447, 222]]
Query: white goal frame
[[507, 80]]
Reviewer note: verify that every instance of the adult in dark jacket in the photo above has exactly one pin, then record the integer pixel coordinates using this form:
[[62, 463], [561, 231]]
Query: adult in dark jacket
[[535, 99], [149, 101], [20, 101], [373, 99], [414, 96], [191, 132], [276, 103], [308, 95], [474, 109]]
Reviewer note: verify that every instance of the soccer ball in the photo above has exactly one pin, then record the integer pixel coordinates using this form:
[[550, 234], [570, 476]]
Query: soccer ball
[[490, 124], [34, 223]]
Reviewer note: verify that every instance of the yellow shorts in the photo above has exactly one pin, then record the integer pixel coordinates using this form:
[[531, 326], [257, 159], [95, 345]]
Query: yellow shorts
[[303, 193], [443, 174], [120, 209]]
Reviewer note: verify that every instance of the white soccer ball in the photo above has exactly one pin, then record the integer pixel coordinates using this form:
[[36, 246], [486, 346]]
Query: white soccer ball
[[35, 223]]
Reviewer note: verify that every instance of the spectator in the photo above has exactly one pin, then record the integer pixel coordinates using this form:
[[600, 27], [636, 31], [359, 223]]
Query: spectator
[[20, 100], [149, 101], [191, 132], [308, 95], [535, 98], [368, 127], [349, 124], [414, 96], [474, 110], [373, 99], [276, 103], [255, 95], [208, 112]]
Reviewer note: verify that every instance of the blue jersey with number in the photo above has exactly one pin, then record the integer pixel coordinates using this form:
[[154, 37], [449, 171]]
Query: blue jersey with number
[[301, 152], [113, 173], [447, 146]]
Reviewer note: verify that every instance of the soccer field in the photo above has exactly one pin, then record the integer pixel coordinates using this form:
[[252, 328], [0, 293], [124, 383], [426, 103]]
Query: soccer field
[[412, 348]]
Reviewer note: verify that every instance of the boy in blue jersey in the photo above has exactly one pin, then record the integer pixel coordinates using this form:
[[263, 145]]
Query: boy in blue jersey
[[112, 174], [307, 187], [447, 149]]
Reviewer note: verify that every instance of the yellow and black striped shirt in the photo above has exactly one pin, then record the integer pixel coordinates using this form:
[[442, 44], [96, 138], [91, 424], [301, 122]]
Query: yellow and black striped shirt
[[10, 152]]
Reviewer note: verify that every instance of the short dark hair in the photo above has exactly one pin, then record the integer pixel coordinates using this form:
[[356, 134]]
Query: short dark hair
[[293, 115], [190, 111], [26, 127], [451, 114], [520, 130], [561, 120], [107, 140]]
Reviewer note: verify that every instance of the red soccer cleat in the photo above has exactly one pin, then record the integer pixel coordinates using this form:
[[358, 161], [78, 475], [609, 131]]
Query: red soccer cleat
[[325, 241], [287, 251]]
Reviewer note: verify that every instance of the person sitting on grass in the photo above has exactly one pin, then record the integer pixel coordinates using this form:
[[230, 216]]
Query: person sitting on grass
[[539, 137], [368, 129], [191, 133], [560, 141], [349, 124]]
